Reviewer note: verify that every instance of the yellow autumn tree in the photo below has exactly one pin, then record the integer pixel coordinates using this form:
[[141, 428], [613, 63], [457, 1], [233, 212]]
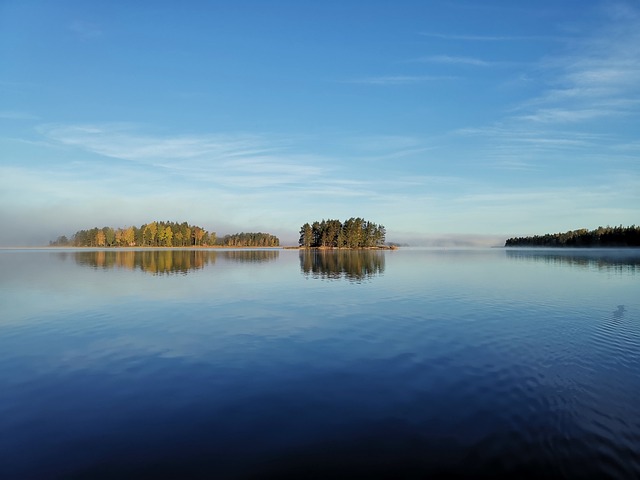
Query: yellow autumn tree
[[129, 237], [100, 238], [168, 237]]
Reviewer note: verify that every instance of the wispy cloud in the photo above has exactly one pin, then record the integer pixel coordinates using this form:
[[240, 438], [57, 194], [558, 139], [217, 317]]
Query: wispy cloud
[[598, 77], [538, 147], [576, 198], [122, 141], [569, 115], [223, 161], [593, 83], [526, 135], [372, 149]]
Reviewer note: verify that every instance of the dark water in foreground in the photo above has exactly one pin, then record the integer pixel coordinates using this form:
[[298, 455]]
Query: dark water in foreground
[[281, 364]]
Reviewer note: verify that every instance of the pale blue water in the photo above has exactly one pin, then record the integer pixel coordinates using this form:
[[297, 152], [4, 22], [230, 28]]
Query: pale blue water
[[285, 364]]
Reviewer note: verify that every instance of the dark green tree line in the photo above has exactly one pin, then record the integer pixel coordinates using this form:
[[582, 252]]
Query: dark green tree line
[[600, 237], [258, 239], [353, 233]]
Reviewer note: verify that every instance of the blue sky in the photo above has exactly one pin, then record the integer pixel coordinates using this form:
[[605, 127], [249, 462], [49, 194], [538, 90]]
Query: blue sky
[[442, 120]]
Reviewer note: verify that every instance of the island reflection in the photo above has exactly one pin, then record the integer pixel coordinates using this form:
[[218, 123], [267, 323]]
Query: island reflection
[[167, 262], [354, 265], [614, 260]]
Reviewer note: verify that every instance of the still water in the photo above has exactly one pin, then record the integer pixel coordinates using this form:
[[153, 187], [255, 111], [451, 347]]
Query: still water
[[288, 364]]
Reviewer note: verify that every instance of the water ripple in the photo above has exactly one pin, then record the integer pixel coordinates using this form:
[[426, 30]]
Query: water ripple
[[449, 364]]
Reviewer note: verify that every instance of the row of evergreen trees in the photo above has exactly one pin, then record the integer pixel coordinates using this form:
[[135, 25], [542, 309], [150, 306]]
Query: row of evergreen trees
[[600, 237], [353, 233], [250, 240], [162, 234]]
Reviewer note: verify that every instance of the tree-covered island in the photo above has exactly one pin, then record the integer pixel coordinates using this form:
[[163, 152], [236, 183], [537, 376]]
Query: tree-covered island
[[353, 233], [162, 234], [600, 237]]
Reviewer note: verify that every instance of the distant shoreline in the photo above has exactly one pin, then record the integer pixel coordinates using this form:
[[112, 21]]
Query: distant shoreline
[[569, 247], [601, 237], [193, 247], [378, 247]]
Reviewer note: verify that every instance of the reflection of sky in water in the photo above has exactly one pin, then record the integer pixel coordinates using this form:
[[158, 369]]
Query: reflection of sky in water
[[36, 285], [474, 342], [46, 281]]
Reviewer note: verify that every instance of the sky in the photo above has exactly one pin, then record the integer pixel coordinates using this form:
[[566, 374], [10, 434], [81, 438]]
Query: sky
[[448, 122]]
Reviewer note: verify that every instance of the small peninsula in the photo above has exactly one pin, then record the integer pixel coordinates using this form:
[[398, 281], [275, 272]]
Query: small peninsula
[[601, 237]]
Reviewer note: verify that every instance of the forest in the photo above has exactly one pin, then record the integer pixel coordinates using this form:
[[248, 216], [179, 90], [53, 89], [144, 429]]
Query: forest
[[353, 233], [250, 240], [601, 237], [162, 234]]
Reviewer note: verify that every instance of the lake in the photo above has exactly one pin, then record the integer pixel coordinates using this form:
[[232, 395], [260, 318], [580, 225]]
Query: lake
[[294, 364]]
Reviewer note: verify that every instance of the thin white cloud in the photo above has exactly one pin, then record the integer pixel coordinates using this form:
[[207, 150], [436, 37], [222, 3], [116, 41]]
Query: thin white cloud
[[594, 83], [510, 163], [599, 76], [123, 142], [404, 153], [223, 161], [523, 133], [532, 138], [537, 147], [203, 175], [568, 115]]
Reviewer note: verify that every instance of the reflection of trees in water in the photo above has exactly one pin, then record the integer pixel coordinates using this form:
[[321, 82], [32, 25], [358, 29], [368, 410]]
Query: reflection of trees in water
[[251, 256], [157, 262], [355, 265], [161, 262], [618, 261]]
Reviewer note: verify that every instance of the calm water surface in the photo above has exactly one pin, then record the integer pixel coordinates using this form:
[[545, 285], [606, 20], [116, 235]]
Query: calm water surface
[[287, 364]]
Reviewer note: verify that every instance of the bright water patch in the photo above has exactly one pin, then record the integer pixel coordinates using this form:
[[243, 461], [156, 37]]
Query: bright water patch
[[287, 364]]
